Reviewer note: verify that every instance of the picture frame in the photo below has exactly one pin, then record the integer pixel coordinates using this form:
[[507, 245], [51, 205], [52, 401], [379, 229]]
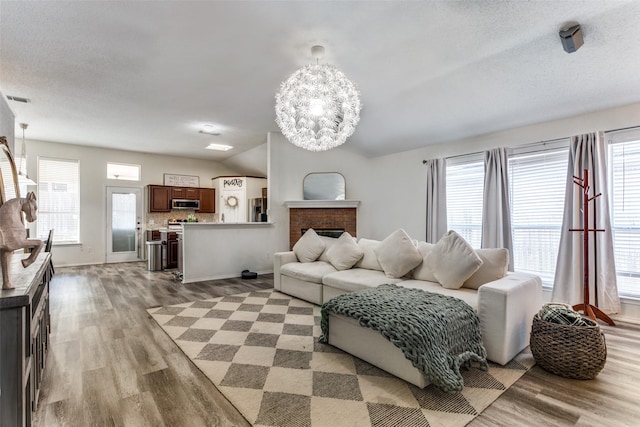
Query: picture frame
[[176, 180]]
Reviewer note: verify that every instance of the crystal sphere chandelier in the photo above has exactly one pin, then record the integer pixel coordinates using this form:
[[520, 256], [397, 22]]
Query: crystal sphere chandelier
[[317, 107]]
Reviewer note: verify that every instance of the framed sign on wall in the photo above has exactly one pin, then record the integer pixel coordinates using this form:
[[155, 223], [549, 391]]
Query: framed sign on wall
[[181, 180]]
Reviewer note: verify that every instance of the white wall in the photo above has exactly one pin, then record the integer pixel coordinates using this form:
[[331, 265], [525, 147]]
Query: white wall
[[93, 183], [288, 165], [251, 162], [7, 122], [397, 192]]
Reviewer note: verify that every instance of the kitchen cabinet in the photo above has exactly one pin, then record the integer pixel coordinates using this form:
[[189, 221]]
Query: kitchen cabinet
[[159, 198], [26, 324], [191, 193], [188, 193], [207, 200], [172, 250]]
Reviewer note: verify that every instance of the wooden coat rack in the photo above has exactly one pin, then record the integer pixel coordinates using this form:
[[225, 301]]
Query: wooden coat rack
[[587, 309]]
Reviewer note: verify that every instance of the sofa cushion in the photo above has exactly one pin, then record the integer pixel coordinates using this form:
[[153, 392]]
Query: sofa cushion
[[369, 260], [328, 243], [495, 263], [307, 271], [423, 271], [356, 279], [470, 296], [453, 260], [309, 247], [345, 252], [397, 254]]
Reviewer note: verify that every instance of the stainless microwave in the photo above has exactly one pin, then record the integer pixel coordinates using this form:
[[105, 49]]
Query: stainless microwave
[[185, 204]]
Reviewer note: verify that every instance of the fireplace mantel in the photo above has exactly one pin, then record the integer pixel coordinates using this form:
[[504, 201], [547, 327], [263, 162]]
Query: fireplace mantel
[[322, 204]]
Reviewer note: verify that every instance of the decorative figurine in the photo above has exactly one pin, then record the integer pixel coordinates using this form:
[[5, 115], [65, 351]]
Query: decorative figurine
[[13, 234]]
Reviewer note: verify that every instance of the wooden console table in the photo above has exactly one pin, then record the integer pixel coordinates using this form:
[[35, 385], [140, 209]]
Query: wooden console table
[[24, 339]]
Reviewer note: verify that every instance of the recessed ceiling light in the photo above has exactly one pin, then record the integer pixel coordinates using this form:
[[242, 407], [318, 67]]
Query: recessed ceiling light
[[219, 147], [209, 130]]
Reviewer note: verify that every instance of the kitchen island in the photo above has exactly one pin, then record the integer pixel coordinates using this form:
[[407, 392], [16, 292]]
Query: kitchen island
[[222, 250]]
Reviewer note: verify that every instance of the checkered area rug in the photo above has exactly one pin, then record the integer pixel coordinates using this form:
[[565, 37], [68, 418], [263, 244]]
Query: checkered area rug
[[261, 350]]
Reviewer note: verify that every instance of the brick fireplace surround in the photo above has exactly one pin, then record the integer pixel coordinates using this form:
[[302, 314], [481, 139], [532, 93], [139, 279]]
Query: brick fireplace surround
[[320, 214]]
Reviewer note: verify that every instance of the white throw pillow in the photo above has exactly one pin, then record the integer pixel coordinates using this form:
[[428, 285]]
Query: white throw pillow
[[309, 247], [495, 263], [453, 260], [345, 253], [397, 254], [423, 271], [328, 243], [369, 260]]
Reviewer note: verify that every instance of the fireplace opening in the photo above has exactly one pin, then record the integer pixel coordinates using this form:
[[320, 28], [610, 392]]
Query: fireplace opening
[[326, 232]]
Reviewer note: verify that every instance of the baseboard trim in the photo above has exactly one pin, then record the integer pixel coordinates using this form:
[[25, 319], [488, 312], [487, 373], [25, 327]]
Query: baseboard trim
[[222, 276]]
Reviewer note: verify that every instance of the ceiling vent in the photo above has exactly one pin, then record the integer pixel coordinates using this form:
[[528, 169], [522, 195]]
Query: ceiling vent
[[18, 99]]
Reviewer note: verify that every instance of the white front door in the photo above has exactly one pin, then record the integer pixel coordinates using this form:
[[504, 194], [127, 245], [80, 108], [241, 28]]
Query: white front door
[[124, 218]]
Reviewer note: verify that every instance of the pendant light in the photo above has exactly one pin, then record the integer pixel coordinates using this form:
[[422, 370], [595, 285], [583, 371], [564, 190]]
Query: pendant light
[[23, 177], [317, 107]]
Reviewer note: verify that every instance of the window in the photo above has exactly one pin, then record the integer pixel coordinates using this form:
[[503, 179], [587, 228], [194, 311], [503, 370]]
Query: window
[[537, 180], [123, 171], [465, 184], [624, 198], [59, 199]]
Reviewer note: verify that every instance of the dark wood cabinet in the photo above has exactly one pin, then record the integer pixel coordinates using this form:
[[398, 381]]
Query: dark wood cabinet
[[159, 198], [188, 193], [207, 200], [177, 193], [172, 250], [26, 324], [191, 193]]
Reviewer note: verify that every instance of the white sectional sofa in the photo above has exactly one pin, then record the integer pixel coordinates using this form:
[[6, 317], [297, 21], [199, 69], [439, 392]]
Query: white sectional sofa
[[505, 301]]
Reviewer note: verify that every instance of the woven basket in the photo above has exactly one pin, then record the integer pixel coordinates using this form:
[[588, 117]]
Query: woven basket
[[577, 352]]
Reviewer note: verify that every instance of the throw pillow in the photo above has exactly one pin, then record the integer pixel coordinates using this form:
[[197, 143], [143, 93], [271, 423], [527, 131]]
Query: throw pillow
[[328, 243], [423, 271], [453, 260], [397, 254], [369, 260], [494, 266], [345, 253], [309, 247]]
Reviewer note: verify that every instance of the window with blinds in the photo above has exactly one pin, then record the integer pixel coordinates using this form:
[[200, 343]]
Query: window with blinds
[[537, 180], [59, 199], [624, 197], [465, 184]]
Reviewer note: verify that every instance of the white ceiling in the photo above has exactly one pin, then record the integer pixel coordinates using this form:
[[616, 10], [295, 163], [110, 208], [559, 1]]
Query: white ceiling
[[145, 75]]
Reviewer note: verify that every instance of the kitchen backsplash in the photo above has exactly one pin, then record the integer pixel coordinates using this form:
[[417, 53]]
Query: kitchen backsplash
[[158, 220]]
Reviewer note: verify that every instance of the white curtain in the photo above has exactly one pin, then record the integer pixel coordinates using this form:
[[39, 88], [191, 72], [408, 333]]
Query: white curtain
[[496, 214], [436, 199], [588, 151]]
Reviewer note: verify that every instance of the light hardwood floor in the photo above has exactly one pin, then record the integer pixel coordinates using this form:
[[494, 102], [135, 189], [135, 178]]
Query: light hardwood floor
[[110, 364]]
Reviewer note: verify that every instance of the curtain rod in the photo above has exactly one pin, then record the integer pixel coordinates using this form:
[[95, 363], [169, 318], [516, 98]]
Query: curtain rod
[[547, 141]]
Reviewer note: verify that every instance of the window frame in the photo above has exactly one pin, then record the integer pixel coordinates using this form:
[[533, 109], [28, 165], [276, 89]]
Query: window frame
[[44, 233], [541, 148], [617, 139], [464, 160]]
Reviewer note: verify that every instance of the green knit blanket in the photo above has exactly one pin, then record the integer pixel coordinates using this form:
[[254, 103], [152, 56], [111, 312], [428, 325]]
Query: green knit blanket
[[437, 333]]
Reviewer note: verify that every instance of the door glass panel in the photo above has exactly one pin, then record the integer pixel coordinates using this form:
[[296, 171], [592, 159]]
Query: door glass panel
[[123, 222]]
